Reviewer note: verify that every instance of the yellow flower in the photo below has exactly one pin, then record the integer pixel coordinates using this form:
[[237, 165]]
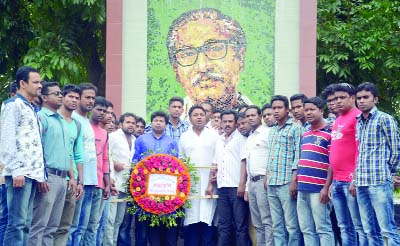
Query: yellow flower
[[172, 197], [176, 172], [158, 199], [182, 194], [153, 170], [168, 170], [137, 188], [135, 171], [145, 171], [166, 198]]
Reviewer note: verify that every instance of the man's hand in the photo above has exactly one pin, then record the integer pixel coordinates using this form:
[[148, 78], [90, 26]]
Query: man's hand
[[18, 181], [246, 196], [118, 167], [210, 189], [79, 192], [241, 189], [106, 192], [324, 195], [43, 187], [113, 188], [72, 185], [213, 176], [396, 182], [293, 189], [265, 182], [352, 190]]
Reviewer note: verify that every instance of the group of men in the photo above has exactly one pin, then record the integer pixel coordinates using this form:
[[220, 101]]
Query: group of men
[[62, 168]]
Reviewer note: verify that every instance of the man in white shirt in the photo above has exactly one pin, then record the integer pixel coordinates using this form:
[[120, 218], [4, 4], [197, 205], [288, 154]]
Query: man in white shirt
[[256, 160], [198, 143], [231, 180], [121, 144]]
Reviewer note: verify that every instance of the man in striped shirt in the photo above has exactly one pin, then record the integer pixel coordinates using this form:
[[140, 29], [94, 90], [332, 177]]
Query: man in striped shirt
[[379, 155], [313, 205]]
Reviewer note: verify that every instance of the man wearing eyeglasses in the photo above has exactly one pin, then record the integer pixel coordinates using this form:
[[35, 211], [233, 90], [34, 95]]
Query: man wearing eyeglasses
[[206, 50]]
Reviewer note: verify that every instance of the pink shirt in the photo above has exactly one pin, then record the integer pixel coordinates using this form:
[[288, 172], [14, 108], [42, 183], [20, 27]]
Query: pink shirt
[[343, 153], [103, 165]]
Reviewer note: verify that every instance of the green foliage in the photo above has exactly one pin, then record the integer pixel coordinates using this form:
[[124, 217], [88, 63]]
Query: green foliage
[[256, 18], [359, 41], [60, 38]]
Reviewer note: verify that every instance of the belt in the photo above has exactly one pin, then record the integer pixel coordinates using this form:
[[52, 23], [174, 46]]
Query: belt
[[256, 178], [62, 174]]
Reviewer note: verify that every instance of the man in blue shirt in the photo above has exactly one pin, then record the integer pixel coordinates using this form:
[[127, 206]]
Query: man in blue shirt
[[149, 143], [56, 147]]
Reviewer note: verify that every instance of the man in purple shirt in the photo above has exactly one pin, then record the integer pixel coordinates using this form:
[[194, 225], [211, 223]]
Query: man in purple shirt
[[149, 143]]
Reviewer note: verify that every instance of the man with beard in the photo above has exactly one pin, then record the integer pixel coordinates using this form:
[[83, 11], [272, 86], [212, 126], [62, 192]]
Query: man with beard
[[80, 220], [49, 195], [243, 125], [21, 153], [198, 143], [122, 148], [231, 177], [206, 50], [71, 94]]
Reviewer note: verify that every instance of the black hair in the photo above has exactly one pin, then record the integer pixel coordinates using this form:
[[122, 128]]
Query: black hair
[[109, 104], [100, 101], [116, 121], [71, 88], [159, 114], [241, 115], [140, 119], [265, 106], [175, 99], [328, 91], [23, 74], [228, 112], [299, 96], [195, 107], [13, 87], [254, 107], [368, 86], [123, 116], [284, 99], [241, 107], [317, 101], [87, 86], [345, 87], [46, 85], [214, 111]]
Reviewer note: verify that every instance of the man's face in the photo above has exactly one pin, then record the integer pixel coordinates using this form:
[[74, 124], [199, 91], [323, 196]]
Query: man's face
[[109, 127], [98, 113], [53, 97], [158, 124], [243, 126], [129, 125], [198, 118], [253, 118], [87, 100], [228, 123], [298, 109], [33, 86], [216, 120], [108, 117], [139, 129], [208, 108], [213, 80], [175, 110], [344, 102], [268, 117], [366, 101], [280, 111], [71, 101], [313, 113], [331, 103]]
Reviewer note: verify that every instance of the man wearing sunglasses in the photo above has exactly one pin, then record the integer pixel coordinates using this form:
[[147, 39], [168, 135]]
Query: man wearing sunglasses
[[206, 50]]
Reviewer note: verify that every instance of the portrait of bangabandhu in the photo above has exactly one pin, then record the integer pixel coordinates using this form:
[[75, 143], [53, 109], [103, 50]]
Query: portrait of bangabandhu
[[207, 52]]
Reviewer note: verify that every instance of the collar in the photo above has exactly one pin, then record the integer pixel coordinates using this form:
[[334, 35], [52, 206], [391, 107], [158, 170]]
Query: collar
[[371, 114], [23, 99], [180, 122], [289, 121], [48, 112], [161, 137]]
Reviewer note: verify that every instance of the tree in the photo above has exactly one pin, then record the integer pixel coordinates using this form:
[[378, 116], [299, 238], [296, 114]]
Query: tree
[[63, 39], [359, 40]]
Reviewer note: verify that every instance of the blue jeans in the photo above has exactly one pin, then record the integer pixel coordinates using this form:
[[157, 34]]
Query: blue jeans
[[124, 234], [72, 237], [140, 232], [104, 210], [232, 212], [284, 213], [314, 220], [20, 206], [348, 215], [3, 211], [376, 210], [199, 234], [85, 234]]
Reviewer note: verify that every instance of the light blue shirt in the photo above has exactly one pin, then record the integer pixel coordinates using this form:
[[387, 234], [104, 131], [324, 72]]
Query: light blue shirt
[[55, 140], [89, 148]]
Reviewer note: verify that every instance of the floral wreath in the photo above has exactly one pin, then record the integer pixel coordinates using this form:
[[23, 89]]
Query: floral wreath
[[160, 208]]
